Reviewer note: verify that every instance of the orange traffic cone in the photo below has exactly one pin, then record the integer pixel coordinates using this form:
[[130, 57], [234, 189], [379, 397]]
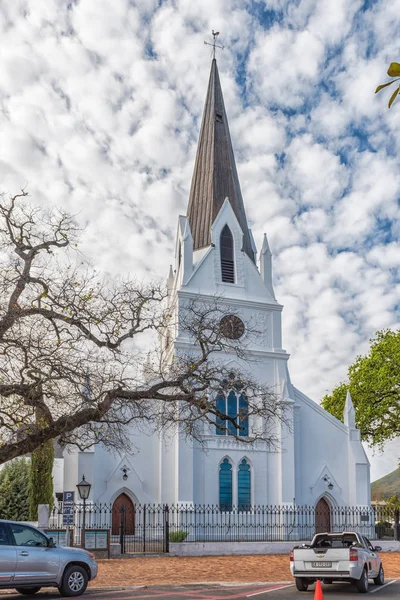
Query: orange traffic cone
[[318, 595]]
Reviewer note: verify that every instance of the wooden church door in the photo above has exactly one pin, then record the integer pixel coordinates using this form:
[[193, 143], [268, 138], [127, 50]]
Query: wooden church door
[[322, 516], [123, 512]]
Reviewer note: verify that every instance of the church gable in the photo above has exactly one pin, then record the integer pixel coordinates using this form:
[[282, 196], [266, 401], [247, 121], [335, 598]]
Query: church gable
[[223, 268]]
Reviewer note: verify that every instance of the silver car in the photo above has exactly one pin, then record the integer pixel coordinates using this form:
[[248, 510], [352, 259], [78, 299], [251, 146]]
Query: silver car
[[29, 560]]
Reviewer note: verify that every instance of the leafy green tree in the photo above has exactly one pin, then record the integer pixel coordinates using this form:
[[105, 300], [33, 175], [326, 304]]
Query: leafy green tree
[[393, 502], [41, 478], [14, 490], [374, 384], [393, 71], [334, 403]]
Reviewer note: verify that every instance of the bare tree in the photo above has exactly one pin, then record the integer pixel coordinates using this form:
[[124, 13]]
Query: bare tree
[[69, 364]]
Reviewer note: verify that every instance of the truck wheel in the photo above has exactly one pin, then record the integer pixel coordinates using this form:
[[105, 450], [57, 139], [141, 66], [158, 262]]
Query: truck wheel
[[74, 581], [362, 583], [380, 579], [301, 584], [28, 591]]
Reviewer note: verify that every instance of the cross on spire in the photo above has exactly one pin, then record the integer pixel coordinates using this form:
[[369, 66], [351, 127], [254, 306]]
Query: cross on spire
[[214, 45]]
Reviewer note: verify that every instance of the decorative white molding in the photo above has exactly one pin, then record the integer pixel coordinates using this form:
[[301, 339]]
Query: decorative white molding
[[241, 302], [325, 472], [226, 442]]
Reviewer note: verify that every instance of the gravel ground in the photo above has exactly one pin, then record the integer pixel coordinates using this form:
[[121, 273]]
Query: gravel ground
[[167, 570]]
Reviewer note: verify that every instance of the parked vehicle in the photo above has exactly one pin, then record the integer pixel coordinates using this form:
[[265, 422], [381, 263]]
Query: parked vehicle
[[336, 557], [30, 560]]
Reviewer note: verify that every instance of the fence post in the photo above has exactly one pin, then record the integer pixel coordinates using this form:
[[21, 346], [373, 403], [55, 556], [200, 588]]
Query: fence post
[[144, 528], [396, 524], [122, 529], [166, 528]]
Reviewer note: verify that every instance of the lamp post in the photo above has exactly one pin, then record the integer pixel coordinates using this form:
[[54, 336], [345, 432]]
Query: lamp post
[[84, 491]]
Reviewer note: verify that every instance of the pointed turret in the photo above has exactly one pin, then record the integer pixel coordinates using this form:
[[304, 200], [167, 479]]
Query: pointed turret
[[215, 176], [266, 265], [349, 414], [170, 280], [148, 369], [87, 391]]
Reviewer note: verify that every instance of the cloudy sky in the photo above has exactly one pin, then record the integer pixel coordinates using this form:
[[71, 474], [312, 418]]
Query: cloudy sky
[[100, 108]]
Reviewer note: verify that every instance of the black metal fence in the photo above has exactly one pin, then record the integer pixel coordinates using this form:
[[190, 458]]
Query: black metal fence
[[278, 523], [139, 528], [150, 528]]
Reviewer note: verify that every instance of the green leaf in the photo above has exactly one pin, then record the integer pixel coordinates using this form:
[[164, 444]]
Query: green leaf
[[394, 70], [393, 96], [380, 87], [374, 384]]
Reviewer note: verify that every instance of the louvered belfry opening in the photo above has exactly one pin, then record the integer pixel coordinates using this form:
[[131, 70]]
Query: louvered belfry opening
[[227, 256]]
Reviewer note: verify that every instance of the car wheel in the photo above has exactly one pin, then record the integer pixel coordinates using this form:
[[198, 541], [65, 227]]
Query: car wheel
[[301, 584], [74, 581], [362, 583], [28, 591], [380, 579]]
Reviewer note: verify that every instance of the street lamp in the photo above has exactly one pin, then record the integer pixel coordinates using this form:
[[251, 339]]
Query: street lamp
[[84, 491]]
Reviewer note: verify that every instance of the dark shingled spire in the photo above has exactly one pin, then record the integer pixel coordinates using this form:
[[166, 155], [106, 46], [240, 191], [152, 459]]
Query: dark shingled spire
[[215, 177]]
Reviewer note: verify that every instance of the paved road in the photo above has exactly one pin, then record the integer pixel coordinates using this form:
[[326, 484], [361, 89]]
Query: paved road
[[271, 591]]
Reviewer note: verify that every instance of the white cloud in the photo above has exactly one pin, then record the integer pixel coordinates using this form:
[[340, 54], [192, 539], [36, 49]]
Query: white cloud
[[278, 76], [315, 174]]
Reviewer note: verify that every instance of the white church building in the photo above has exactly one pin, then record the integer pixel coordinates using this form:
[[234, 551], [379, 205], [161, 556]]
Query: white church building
[[321, 461]]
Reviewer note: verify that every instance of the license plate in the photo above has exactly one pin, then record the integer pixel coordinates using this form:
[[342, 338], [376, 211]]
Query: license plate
[[321, 565]]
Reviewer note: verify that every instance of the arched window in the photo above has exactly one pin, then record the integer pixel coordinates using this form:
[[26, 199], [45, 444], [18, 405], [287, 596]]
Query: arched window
[[244, 486], [232, 403], [221, 407], [243, 415], [232, 411], [225, 485], [227, 256]]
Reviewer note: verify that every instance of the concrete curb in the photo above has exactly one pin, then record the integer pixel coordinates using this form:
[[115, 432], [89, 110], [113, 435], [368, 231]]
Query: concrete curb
[[119, 588]]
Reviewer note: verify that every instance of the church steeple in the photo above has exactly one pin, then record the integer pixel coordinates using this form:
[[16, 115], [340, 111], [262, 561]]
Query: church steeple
[[215, 176]]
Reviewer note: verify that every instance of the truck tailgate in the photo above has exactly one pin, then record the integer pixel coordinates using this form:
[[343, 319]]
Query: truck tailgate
[[321, 559]]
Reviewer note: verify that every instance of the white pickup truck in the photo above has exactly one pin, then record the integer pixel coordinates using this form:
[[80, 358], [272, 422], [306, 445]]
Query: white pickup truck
[[333, 557]]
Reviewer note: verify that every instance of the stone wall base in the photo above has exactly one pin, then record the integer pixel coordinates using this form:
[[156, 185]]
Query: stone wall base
[[237, 548]]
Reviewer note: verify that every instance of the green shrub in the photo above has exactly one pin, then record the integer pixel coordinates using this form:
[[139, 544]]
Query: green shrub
[[41, 478], [14, 490], [178, 536], [384, 529]]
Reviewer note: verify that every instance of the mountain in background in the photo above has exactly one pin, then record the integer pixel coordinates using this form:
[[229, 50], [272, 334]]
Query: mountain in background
[[387, 486]]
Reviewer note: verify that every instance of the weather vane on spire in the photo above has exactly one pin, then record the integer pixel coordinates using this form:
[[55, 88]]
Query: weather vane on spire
[[214, 45]]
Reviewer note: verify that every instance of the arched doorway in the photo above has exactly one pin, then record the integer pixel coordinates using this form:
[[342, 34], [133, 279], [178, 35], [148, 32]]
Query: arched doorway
[[322, 516], [123, 513]]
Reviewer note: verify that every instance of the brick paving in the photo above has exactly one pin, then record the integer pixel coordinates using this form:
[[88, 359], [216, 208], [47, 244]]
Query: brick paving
[[169, 570]]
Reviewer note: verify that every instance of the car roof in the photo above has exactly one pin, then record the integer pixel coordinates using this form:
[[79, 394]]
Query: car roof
[[339, 533], [18, 523]]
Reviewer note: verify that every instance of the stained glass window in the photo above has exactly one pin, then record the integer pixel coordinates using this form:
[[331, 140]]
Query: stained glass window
[[225, 485], [234, 404], [244, 486], [221, 406]]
